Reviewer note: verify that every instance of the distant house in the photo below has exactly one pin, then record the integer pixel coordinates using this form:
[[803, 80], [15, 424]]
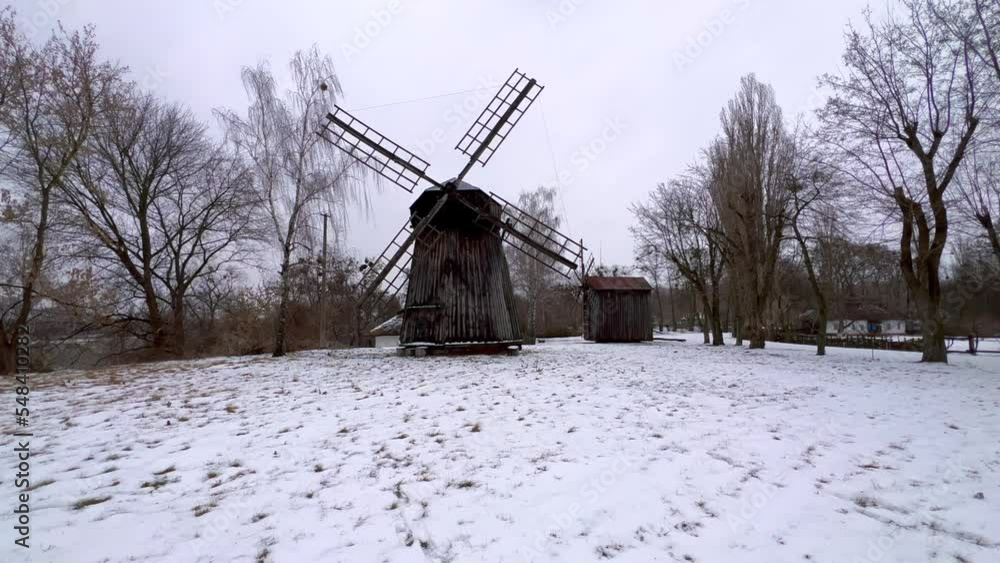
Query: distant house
[[858, 319], [617, 309], [386, 335]]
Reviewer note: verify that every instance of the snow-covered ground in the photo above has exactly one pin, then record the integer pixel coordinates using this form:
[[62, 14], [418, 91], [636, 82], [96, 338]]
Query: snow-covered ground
[[571, 451]]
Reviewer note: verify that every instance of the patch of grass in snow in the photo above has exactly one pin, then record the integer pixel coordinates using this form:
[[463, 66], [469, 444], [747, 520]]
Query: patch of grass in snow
[[610, 550], [90, 501], [155, 484], [463, 484], [231, 408], [476, 428], [258, 517], [211, 475], [865, 501], [203, 509], [170, 469], [40, 484], [318, 468]]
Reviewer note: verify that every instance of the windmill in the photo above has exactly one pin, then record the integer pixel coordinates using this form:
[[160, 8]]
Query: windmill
[[449, 254]]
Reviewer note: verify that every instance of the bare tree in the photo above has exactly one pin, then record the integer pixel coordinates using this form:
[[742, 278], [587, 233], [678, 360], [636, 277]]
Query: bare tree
[[531, 276], [297, 174], [903, 116], [815, 214], [979, 186], [51, 101], [679, 222], [125, 191], [204, 224], [650, 261], [751, 168]]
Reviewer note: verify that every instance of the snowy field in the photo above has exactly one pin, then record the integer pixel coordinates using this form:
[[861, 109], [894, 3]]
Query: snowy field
[[571, 452]]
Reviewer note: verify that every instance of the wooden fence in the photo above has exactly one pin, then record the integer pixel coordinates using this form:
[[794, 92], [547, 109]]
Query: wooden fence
[[895, 343]]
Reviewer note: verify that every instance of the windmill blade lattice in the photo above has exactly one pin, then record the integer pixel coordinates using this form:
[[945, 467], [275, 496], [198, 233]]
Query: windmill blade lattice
[[374, 150], [387, 276], [530, 235], [493, 126]]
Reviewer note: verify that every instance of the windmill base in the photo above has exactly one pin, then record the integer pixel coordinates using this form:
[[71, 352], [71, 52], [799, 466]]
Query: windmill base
[[489, 348]]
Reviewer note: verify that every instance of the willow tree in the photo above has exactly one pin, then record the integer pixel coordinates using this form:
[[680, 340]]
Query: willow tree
[[297, 174], [902, 117], [529, 274]]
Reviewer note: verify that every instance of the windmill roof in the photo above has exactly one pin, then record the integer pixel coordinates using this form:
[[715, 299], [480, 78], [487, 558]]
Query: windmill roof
[[618, 283], [390, 327]]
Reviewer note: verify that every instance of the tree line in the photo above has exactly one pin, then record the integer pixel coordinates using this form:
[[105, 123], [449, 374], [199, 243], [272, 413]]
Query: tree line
[[126, 217], [905, 144]]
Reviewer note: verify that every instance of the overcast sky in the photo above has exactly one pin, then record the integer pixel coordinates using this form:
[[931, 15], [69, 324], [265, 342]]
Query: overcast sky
[[633, 88]]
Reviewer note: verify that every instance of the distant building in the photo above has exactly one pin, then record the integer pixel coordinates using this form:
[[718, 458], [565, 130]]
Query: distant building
[[617, 309], [858, 319], [386, 335]]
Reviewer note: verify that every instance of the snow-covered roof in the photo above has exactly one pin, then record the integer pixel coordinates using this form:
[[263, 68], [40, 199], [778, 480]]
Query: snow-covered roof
[[391, 327]]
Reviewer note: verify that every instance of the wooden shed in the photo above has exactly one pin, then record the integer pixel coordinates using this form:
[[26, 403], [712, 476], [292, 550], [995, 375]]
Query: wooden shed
[[617, 309]]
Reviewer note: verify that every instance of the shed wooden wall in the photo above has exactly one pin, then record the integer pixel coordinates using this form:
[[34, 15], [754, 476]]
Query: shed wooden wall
[[618, 316]]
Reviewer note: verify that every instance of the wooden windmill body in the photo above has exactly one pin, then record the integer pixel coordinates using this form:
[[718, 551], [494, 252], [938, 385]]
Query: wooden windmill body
[[459, 289], [449, 256]]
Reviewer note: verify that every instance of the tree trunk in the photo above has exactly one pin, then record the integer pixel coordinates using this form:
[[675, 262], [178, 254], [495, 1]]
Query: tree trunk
[[7, 355], [659, 306], [281, 322], [673, 309], [717, 336], [705, 328], [935, 349], [694, 311], [180, 335], [758, 336], [822, 309], [822, 318]]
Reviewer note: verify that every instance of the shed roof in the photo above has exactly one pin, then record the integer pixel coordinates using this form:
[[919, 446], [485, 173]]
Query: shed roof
[[391, 327], [608, 283]]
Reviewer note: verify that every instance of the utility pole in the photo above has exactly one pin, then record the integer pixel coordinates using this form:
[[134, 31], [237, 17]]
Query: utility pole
[[322, 290]]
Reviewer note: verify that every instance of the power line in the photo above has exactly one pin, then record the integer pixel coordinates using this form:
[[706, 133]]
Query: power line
[[415, 100]]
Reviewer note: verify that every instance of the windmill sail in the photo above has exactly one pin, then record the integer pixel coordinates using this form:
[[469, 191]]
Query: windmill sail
[[496, 122], [530, 235], [387, 275], [374, 150]]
